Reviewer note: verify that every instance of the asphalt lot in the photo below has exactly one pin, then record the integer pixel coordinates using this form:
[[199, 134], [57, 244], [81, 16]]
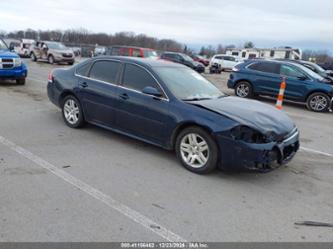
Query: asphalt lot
[[62, 184]]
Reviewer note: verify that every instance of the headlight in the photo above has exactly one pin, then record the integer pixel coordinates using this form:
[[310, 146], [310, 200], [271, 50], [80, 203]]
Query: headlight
[[17, 62], [248, 135]]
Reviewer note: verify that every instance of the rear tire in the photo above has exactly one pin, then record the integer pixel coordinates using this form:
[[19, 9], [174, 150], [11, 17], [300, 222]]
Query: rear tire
[[244, 89], [318, 102], [196, 150], [72, 112]]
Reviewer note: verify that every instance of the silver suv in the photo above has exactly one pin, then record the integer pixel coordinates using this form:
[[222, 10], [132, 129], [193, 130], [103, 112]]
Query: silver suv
[[53, 52]]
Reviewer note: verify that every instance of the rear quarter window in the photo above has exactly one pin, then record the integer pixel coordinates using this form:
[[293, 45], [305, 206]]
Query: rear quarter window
[[83, 70]]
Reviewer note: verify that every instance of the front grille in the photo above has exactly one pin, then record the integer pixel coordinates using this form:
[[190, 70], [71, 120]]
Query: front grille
[[6, 63], [7, 60], [67, 55], [6, 66]]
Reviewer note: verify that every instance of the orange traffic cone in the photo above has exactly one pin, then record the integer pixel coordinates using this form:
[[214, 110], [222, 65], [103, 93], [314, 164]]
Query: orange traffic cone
[[281, 94]]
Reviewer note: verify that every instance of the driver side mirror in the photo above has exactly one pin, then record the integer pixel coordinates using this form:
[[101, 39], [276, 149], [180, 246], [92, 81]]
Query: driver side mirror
[[11, 47], [152, 91]]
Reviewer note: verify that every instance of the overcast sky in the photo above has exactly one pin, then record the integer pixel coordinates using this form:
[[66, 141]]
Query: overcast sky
[[302, 23]]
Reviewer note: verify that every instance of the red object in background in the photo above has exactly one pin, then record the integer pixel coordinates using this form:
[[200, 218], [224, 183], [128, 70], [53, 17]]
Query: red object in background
[[201, 60]]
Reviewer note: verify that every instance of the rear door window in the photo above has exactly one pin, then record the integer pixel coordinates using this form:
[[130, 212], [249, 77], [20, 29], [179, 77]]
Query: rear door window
[[265, 67], [137, 78], [106, 71]]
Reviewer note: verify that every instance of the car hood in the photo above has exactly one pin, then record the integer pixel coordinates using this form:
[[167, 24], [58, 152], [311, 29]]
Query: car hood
[[8, 54], [252, 113]]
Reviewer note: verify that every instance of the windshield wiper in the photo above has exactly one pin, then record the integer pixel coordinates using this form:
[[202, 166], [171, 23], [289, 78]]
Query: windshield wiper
[[196, 99]]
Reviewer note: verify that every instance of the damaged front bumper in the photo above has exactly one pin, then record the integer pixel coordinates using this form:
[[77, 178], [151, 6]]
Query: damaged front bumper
[[237, 155]]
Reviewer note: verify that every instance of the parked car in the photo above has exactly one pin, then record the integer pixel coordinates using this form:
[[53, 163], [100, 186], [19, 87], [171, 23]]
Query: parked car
[[170, 105], [183, 59], [23, 48], [200, 59], [99, 51], [263, 77], [327, 65], [11, 65], [132, 51], [314, 67], [226, 62], [52, 52]]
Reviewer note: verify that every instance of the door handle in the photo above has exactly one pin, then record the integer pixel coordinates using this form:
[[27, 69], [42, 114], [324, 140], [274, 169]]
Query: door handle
[[124, 96], [84, 84]]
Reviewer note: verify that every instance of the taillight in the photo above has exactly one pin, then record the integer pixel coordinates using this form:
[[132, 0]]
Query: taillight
[[50, 77]]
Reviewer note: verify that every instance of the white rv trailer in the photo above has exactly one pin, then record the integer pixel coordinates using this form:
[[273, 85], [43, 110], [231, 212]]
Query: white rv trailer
[[273, 53]]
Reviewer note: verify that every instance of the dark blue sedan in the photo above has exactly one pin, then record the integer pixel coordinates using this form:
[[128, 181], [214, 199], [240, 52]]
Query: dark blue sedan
[[263, 77], [174, 107]]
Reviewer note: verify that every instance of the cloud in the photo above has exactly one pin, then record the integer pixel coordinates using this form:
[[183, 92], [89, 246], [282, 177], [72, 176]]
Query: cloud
[[188, 21]]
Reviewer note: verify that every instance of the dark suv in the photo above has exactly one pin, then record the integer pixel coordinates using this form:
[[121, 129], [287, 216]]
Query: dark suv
[[183, 59], [263, 77]]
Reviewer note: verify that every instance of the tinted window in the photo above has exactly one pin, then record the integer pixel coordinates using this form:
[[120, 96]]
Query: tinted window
[[137, 78], [169, 56], [290, 71], [266, 67], [83, 70], [105, 70]]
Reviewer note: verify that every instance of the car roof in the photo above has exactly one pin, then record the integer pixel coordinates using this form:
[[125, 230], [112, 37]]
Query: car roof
[[146, 62]]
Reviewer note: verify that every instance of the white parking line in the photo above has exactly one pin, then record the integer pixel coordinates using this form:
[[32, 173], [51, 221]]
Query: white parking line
[[317, 152], [109, 201]]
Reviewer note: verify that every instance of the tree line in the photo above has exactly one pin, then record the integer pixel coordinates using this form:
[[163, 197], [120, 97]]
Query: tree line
[[81, 37]]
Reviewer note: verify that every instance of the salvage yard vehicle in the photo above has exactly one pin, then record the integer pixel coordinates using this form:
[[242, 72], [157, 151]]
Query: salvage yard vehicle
[[11, 65], [263, 77], [52, 52], [172, 106], [200, 59], [132, 51], [23, 49], [315, 68], [183, 59], [225, 62]]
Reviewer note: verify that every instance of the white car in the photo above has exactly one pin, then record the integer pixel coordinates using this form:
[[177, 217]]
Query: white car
[[226, 62]]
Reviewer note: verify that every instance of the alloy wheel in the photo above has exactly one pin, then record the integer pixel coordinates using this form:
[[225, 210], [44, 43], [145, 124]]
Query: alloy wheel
[[318, 103], [71, 111], [194, 150], [242, 90]]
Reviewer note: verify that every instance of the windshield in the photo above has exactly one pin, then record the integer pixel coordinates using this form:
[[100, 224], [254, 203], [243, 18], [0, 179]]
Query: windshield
[[3, 45], [186, 57], [149, 53], [315, 67], [310, 72], [186, 84], [56, 45]]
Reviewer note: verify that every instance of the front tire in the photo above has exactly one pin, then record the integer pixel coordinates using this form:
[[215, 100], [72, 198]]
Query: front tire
[[244, 89], [33, 57], [72, 112], [196, 150], [50, 59], [318, 102]]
